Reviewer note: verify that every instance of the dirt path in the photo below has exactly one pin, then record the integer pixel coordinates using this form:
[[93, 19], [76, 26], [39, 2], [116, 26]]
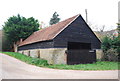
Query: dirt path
[[12, 68]]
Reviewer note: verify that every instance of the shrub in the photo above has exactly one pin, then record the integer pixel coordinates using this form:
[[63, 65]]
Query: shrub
[[110, 55], [116, 43], [111, 48], [106, 43], [39, 62]]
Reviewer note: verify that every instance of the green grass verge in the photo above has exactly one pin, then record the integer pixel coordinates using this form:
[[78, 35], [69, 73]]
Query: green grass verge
[[95, 66], [29, 60], [103, 65]]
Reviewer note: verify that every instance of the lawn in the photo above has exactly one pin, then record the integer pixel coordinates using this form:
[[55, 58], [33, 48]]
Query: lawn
[[95, 66], [103, 65], [29, 60]]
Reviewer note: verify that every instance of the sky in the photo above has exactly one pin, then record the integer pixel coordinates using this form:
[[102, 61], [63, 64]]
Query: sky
[[100, 12]]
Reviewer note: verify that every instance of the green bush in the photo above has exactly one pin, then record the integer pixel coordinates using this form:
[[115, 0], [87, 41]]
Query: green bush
[[110, 55], [39, 62], [106, 43], [111, 48], [116, 43]]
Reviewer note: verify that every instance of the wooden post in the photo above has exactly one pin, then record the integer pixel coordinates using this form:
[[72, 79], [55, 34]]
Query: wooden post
[[86, 16]]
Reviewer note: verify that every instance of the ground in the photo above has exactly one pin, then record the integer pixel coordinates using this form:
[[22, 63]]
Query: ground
[[15, 69]]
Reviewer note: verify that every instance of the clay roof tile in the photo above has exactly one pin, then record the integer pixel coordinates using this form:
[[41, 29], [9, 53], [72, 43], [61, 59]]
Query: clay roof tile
[[48, 33]]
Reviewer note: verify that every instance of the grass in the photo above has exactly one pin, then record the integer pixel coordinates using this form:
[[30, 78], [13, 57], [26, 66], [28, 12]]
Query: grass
[[103, 65], [29, 60], [95, 66]]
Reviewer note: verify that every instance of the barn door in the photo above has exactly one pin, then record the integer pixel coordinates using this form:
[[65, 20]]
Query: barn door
[[80, 53]]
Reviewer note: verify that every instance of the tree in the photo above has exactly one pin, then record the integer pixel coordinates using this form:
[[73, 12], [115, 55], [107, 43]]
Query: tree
[[102, 29], [111, 48], [106, 43], [118, 28], [54, 19], [6, 44], [116, 43], [18, 27]]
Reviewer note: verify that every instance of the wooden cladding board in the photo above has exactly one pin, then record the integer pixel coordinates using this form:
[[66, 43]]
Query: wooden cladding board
[[77, 31]]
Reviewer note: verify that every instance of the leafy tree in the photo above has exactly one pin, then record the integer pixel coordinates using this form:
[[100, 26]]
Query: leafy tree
[[111, 48], [54, 19], [118, 28], [18, 27], [106, 43], [116, 43], [6, 44]]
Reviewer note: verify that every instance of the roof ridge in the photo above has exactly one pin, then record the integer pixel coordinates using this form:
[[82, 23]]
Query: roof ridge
[[50, 32], [57, 23], [67, 24]]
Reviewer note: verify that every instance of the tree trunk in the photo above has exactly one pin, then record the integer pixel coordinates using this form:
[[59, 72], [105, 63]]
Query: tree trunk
[[15, 47]]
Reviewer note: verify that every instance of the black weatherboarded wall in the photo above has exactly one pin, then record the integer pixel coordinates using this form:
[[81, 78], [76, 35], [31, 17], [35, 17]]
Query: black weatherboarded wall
[[73, 34], [77, 31], [38, 45]]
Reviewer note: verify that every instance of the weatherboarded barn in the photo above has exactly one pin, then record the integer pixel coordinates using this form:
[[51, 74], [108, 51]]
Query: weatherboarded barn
[[68, 42]]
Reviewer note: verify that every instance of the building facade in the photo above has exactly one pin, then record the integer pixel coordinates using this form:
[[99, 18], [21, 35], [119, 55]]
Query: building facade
[[68, 42]]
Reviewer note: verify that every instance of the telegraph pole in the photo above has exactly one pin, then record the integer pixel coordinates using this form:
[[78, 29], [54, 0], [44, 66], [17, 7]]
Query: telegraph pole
[[86, 15]]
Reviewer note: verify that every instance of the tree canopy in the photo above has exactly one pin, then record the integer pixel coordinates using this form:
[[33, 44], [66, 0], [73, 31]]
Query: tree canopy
[[55, 19], [18, 27], [118, 28]]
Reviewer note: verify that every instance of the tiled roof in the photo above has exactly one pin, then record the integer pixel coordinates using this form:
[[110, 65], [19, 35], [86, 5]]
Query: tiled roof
[[49, 32]]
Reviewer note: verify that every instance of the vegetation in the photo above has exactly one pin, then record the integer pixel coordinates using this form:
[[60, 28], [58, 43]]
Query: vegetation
[[106, 43], [95, 66], [111, 48], [118, 28], [105, 65], [18, 27], [6, 44], [29, 60], [116, 43], [54, 19]]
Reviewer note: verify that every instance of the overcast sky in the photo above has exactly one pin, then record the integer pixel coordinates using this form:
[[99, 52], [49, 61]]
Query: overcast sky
[[100, 12]]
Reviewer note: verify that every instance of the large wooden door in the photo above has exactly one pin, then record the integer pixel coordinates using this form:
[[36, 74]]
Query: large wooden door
[[80, 53]]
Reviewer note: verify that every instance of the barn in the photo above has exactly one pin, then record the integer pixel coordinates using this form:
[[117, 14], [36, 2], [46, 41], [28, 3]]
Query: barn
[[68, 42]]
